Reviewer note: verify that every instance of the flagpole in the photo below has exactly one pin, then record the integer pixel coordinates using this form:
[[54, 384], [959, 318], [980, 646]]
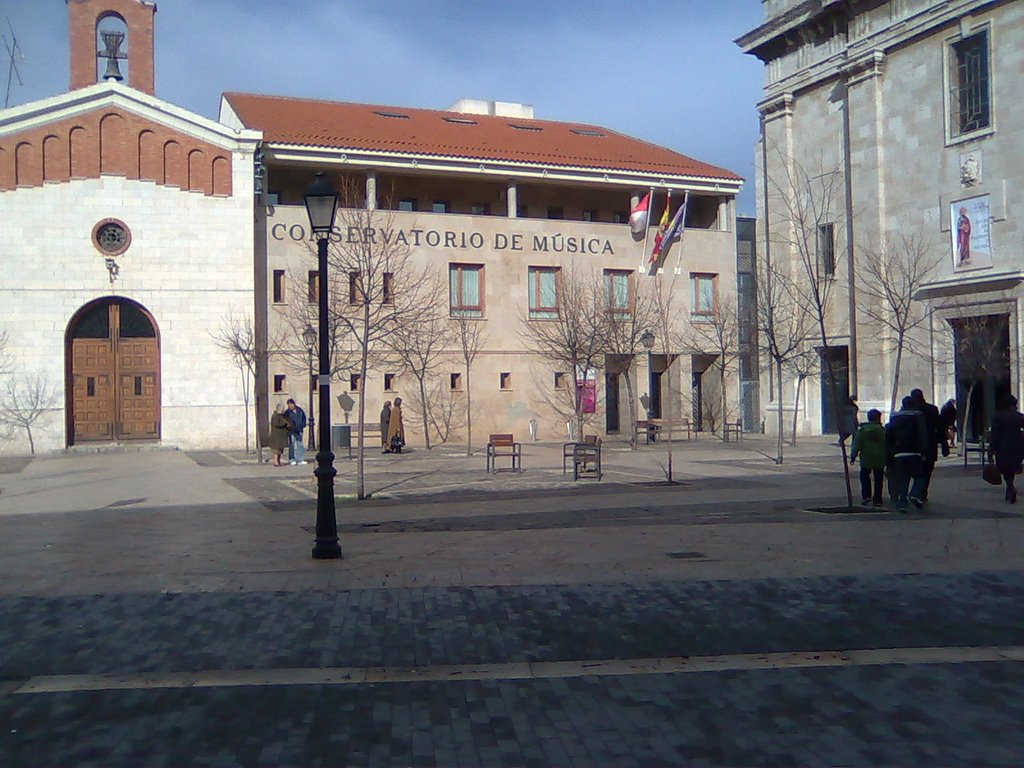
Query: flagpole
[[682, 231]]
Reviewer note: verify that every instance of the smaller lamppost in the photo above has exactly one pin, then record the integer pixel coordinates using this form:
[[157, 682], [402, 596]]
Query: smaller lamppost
[[321, 205], [309, 336], [647, 339]]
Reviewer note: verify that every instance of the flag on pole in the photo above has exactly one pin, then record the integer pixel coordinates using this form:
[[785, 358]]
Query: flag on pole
[[665, 237], [639, 215], [662, 227]]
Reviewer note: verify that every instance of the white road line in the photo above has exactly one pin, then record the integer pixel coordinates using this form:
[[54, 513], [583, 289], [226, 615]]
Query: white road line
[[519, 670]]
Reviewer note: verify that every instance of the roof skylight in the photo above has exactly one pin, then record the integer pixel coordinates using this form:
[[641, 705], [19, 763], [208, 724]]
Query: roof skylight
[[391, 114]]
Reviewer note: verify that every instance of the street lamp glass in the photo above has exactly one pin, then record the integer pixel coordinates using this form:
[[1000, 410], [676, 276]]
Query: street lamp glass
[[647, 339], [321, 204], [309, 336]]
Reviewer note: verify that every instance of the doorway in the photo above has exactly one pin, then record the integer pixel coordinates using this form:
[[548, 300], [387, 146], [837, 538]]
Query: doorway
[[982, 367], [611, 403], [840, 357], [112, 353]]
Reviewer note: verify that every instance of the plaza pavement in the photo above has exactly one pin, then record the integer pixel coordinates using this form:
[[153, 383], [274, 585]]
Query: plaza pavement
[[162, 608]]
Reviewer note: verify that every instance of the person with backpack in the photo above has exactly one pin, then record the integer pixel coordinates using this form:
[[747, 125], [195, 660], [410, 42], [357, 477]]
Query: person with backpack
[[869, 443]]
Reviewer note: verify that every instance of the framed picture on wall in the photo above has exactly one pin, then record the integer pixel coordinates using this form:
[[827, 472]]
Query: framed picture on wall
[[969, 234]]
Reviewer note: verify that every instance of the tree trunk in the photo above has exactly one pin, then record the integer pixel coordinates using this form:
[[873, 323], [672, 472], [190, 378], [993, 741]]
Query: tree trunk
[[31, 442], [360, 452], [725, 398], [632, 406], [423, 410], [896, 377], [967, 418], [245, 402], [779, 414], [796, 404], [469, 415]]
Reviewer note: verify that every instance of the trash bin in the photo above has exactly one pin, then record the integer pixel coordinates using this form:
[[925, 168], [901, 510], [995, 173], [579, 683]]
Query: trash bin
[[341, 437]]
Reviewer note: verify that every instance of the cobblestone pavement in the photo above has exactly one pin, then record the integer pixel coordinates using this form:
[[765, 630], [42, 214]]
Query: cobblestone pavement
[[713, 623]]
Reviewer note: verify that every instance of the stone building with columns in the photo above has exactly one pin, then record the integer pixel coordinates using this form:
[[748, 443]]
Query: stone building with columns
[[502, 206], [910, 105]]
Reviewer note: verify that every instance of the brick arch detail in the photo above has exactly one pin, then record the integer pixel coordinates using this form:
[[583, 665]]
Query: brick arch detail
[[221, 172], [199, 172], [117, 142], [113, 151], [27, 162], [55, 159]]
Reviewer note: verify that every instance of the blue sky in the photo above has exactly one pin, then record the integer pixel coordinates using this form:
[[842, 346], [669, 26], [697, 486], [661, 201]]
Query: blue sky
[[666, 71]]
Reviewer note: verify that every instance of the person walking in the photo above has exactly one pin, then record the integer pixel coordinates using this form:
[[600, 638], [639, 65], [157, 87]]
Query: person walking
[[907, 438], [278, 433], [948, 416], [848, 419], [1007, 444], [385, 423], [869, 442], [296, 447], [396, 428], [936, 437]]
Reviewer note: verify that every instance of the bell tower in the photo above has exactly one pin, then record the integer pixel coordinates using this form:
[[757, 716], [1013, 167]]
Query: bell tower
[[95, 53]]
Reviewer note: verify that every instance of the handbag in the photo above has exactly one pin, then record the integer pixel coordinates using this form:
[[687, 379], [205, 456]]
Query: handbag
[[991, 475]]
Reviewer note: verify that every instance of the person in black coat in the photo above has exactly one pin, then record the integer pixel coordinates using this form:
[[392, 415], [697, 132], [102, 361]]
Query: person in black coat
[[1007, 444], [936, 437], [948, 416]]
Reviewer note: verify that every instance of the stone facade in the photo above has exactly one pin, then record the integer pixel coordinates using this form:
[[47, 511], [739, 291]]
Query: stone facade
[[910, 104]]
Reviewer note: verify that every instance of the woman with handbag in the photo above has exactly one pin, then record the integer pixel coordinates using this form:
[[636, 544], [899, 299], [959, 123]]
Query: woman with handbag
[[396, 428], [1007, 444]]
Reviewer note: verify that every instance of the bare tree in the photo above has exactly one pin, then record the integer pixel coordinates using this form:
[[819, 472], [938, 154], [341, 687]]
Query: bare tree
[[236, 336], [442, 410], [810, 213], [620, 336], [573, 340], [891, 277], [24, 400], [667, 311], [376, 292], [717, 334], [801, 366], [783, 328], [422, 345], [5, 359], [470, 338]]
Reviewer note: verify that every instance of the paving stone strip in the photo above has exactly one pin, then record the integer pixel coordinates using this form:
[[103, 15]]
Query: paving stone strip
[[519, 671]]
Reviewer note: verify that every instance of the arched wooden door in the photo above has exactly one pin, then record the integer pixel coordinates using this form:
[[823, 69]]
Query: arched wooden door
[[114, 373]]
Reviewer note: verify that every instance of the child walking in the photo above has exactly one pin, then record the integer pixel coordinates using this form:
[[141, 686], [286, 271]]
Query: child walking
[[870, 444]]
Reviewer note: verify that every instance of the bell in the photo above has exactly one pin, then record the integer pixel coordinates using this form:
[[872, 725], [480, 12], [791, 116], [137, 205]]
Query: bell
[[112, 41]]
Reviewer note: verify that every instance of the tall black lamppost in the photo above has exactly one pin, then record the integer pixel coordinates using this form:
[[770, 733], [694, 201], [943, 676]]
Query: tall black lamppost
[[321, 205], [309, 336]]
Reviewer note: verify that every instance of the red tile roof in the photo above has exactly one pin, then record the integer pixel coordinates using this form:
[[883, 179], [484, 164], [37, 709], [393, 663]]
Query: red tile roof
[[342, 125]]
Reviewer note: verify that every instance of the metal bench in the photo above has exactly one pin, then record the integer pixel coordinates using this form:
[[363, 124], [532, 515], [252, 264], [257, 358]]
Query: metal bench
[[504, 446]]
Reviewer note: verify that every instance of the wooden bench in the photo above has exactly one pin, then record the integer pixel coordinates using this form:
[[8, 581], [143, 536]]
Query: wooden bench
[[679, 427], [504, 446], [732, 429]]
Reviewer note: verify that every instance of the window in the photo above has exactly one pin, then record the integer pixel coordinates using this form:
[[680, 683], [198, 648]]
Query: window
[[407, 204], [970, 93], [280, 382], [353, 288], [397, 115], [522, 211], [313, 278], [389, 382], [586, 132], [355, 383], [589, 214], [279, 286], [455, 382], [505, 380], [466, 290], [389, 288], [618, 291], [543, 291], [702, 296], [827, 250], [559, 380], [620, 217], [481, 209], [556, 212], [442, 206]]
